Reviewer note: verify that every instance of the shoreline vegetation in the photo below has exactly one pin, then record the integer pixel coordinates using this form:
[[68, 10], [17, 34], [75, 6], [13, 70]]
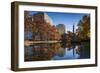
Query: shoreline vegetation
[[30, 42]]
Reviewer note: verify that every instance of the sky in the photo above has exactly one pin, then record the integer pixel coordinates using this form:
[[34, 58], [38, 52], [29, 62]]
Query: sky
[[68, 19]]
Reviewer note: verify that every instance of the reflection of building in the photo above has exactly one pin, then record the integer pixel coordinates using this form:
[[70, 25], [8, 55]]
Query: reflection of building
[[43, 17], [61, 28]]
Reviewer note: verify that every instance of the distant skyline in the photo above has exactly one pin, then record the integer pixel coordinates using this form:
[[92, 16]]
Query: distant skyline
[[68, 19]]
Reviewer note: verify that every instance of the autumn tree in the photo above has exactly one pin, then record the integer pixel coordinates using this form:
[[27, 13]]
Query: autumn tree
[[83, 30], [40, 29]]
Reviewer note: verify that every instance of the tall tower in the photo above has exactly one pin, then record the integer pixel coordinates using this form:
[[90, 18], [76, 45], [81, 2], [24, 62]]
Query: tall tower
[[73, 28], [73, 38]]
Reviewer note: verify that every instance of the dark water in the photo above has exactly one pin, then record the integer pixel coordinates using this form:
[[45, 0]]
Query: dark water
[[57, 51]]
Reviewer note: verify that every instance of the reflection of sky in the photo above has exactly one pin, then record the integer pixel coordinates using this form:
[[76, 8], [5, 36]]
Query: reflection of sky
[[67, 55], [68, 19]]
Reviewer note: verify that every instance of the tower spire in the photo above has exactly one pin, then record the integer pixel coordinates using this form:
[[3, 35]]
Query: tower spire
[[73, 28], [73, 40]]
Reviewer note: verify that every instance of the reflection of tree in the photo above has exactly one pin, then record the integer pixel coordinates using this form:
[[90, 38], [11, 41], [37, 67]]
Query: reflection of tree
[[83, 50], [43, 51]]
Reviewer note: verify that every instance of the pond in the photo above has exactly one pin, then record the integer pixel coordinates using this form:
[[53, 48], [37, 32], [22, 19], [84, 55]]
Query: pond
[[56, 51]]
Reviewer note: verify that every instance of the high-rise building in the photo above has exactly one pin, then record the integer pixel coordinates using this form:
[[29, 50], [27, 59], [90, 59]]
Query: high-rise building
[[61, 28], [42, 17]]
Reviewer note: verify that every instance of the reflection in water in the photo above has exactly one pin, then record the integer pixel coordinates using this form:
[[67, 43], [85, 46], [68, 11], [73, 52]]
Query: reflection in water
[[67, 54], [56, 51]]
